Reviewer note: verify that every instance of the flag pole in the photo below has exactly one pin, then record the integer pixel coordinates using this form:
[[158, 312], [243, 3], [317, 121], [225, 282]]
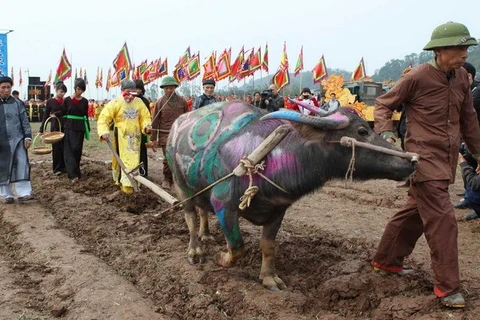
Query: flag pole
[[301, 80], [71, 77]]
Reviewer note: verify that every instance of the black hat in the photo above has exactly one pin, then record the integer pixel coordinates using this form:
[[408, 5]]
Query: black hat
[[208, 81], [6, 79], [470, 69], [306, 90], [14, 92], [140, 85]]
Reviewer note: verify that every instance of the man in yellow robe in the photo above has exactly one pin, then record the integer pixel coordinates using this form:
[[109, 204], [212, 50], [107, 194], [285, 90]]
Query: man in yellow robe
[[131, 118]]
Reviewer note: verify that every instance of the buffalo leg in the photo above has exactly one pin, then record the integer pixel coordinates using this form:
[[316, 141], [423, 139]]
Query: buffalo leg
[[204, 233], [235, 245], [268, 275], [194, 251]]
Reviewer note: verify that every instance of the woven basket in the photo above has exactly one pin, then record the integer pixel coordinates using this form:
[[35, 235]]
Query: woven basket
[[54, 136], [45, 149]]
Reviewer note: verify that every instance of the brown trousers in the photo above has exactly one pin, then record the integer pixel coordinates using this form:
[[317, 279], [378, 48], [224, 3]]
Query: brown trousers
[[428, 210]]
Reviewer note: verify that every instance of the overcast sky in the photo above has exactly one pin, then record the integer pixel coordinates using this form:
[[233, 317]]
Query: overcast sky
[[92, 32]]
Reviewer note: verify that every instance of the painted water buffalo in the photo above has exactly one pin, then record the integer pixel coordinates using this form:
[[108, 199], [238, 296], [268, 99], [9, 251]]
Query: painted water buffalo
[[207, 144]]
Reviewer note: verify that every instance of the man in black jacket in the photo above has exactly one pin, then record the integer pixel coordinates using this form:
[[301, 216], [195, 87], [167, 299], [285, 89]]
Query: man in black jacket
[[206, 98], [274, 101]]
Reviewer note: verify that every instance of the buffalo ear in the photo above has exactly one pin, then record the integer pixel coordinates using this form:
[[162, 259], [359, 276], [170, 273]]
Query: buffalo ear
[[334, 121]]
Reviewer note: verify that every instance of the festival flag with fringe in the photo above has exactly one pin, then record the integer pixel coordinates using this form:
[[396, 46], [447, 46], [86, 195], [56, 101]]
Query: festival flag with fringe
[[256, 61], [100, 80], [209, 67], [245, 68], [222, 68], [122, 60], [109, 79], [299, 65], [281, 78], [64, 69], [179, 73], [184, 58], [49, 80], [319, 71], [359, 72], [161, 68], [193, 67], [284, 60], [235, 68], [97, 77], [265, 58]]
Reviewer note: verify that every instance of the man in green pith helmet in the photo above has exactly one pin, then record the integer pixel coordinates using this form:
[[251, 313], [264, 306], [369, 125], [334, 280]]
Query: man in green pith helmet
[[167, 109], [439, 109]]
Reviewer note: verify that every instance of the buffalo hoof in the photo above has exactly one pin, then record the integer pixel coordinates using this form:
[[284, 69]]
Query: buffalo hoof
[[224, 259], [206, 237], [196, 255], [273, 283]]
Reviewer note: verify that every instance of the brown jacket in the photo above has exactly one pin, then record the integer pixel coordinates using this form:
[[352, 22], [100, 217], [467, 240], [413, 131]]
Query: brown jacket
[[439, 111], [163, 122]]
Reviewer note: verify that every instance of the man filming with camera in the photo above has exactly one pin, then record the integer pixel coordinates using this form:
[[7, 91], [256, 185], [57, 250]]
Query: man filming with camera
[[271, 100]]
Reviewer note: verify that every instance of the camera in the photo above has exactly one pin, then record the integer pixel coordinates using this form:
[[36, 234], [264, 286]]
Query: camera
[[266, 94], [463, 149]]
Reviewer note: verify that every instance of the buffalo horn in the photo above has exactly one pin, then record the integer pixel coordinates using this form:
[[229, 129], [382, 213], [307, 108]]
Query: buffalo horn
[[333, 121], [313, 109]]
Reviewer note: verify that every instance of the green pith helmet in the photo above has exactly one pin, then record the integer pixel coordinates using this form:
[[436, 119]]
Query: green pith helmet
[[450, 34], [168, 81]]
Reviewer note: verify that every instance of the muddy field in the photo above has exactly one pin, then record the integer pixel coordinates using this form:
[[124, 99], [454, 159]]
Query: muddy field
[[86, 251]]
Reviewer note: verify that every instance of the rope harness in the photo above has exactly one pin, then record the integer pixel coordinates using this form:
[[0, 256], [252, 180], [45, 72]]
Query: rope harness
[[352, 142], [252, 190]]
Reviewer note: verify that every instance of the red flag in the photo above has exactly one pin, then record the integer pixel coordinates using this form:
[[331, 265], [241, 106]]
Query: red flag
[[265, 59], [64, 69], [256, 61], [235, 68], [122, 64], [299, 65], [359, 72], [281, 78], [20, 80], [319, 71]]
